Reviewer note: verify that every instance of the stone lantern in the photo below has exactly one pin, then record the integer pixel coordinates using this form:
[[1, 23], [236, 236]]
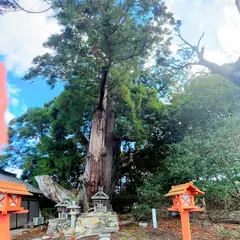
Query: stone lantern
[[74, 211], [100, 200], [10, 202], [62, 208]]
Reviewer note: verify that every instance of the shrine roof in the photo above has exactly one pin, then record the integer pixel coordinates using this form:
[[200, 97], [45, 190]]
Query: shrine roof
[[9, 177], [100, 195], [13, 188], [180, 189], [64, 203]]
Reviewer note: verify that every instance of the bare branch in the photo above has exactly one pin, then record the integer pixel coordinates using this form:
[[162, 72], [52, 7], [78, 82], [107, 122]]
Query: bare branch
[[25, 10], [200, 39], [185, 41], [232, 74]]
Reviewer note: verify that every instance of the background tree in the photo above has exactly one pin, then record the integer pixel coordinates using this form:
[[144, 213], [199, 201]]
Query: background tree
[[207, 149], [46, 141], [7, 6]]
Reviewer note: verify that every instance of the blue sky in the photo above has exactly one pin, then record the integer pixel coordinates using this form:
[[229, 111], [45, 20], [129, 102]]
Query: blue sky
[[22, 36], [24, 94]]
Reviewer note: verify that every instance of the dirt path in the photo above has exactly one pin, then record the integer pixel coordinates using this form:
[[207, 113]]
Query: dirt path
[[169, 229]]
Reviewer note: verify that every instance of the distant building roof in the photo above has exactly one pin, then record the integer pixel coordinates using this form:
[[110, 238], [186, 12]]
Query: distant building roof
[[10, 177]]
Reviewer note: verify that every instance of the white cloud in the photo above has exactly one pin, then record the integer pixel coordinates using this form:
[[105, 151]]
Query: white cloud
[[12, 90], [219, 19], [23, 34], [14, 101], [217, 57], [24, 108], [171, 3], [229, 33], [9, 116], [174, 48]]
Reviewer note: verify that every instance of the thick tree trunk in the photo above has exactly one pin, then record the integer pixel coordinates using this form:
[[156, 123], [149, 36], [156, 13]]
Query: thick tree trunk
[[116, 171], [94, 175], [104, 148], [97, 149], [111, 159], [53, 190]]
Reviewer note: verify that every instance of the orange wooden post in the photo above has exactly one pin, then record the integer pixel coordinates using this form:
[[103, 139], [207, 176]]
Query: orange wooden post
[[183, 202], [186, 233], [5, 226]]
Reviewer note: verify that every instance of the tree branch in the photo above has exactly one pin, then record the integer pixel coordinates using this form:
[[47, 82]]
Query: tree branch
[[185, 41], [200, 39], [25, 10], [103, 87], [232, 74]]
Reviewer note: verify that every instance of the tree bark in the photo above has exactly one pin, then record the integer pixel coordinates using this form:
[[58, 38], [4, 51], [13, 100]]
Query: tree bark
[[94, 175], [111, 160], [116, 166], [104, 147], [53, 190]]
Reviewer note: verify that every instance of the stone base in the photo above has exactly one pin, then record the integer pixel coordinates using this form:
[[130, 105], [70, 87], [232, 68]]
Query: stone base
[[59, 225], [97, 223], [87, 224]]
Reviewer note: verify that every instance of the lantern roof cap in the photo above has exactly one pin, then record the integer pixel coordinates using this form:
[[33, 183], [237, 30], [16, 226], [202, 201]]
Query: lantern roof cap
[[100, 195], [65, 203], [180, 189], [73, 205], [13, 188]]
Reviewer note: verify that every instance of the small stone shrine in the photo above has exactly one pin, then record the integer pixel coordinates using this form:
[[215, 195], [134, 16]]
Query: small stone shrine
[[100, 200], [62, 208]]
